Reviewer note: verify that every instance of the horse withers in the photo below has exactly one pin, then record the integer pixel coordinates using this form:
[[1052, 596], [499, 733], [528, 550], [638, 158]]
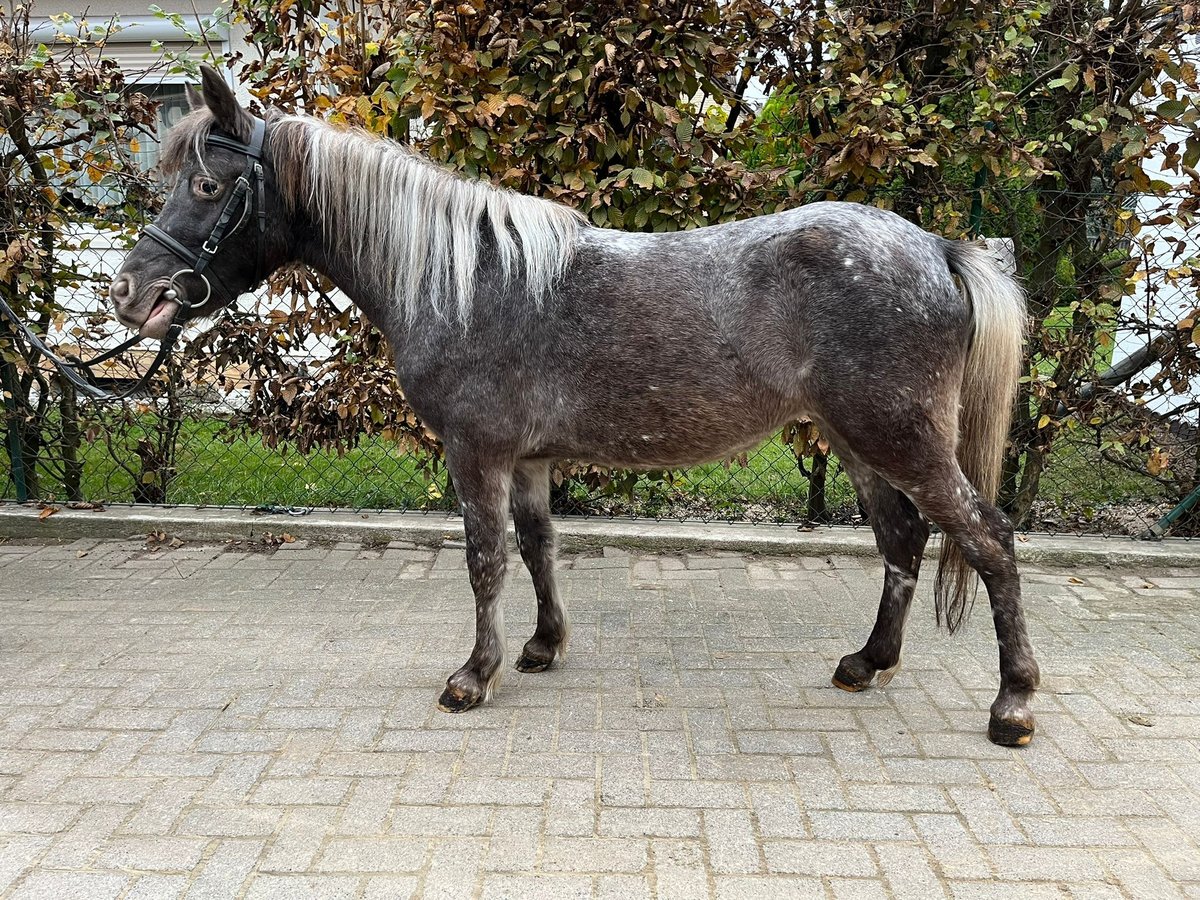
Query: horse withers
[[523, 336]]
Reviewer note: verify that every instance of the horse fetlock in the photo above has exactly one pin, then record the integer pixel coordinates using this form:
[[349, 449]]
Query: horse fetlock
[[564, 636], [886, 675], [491, 684], [1026, 676]]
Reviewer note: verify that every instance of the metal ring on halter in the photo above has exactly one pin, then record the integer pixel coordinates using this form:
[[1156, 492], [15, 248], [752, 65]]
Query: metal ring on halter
[[172, 294]]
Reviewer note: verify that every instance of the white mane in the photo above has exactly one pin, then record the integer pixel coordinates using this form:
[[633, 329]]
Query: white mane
[[414, 230]]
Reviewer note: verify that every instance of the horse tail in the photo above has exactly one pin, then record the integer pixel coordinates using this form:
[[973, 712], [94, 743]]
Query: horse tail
[[989, 387]]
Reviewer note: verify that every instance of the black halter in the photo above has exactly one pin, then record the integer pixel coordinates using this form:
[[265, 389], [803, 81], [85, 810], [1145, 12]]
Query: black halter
[[247, 199]]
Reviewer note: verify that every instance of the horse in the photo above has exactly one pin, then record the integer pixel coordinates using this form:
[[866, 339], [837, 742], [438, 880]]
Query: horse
[[523, 335]]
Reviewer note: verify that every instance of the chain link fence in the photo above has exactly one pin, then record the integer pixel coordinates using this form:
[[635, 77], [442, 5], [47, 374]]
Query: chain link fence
[[1115, 437]]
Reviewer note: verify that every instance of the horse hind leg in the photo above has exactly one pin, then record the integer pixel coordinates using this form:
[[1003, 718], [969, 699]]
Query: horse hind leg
[[535, 538], [901, 535], [920, 461], [982, 539]]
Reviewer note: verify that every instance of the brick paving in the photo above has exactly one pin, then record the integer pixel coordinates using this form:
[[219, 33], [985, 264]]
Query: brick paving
[[207, 721]]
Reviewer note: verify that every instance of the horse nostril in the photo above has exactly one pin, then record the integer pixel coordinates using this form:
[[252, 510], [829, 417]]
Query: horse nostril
[[121, 289]]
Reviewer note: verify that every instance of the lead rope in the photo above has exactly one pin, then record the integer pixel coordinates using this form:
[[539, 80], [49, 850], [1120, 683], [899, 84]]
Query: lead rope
[[79, 373]]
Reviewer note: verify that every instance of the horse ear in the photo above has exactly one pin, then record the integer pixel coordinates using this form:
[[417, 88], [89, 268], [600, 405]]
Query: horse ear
[[194, 100], [227, 112]]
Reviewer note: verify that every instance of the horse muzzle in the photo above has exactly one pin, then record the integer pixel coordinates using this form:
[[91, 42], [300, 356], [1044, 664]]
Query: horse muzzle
[[149, 310]]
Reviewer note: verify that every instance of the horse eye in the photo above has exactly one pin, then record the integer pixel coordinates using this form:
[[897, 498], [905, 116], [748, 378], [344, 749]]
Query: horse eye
[[206, 187]]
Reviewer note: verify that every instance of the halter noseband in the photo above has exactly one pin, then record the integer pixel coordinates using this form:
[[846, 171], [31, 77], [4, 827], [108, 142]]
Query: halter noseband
[[249, 193]]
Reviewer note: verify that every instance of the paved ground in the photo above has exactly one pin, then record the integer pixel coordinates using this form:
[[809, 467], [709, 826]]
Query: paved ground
[[209, 722]]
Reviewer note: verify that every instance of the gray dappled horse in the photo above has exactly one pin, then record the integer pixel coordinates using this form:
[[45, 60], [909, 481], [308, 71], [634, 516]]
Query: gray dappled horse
[[523, 336]]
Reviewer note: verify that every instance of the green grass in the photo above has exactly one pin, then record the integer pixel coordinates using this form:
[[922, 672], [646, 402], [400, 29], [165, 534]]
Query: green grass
[[216, 467], [770, 485]]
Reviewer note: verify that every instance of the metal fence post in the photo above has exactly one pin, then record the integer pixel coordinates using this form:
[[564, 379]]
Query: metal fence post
[[1160, 528], [16, 458]]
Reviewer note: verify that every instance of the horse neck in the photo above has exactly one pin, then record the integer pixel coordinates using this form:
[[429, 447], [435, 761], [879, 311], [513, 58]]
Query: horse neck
[[323, 253], [408, 241]]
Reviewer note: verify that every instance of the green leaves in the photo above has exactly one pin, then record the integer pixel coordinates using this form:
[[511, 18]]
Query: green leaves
[[1170, 109], [1069, 78], [594, 110]]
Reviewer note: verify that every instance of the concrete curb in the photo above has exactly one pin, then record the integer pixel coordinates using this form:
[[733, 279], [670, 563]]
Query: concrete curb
[[575, 535]]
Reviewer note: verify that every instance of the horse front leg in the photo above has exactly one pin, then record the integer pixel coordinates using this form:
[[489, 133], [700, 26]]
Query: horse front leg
[[483, 488], [535, 538]]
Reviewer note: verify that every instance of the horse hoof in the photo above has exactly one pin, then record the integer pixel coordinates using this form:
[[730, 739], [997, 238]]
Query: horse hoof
[[851, 675], [455, 701], [849, 688], [527, 663], [1009, 734]]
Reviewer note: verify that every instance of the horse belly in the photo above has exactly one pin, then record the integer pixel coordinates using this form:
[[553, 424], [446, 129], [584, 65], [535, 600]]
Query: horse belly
[[655, 426]]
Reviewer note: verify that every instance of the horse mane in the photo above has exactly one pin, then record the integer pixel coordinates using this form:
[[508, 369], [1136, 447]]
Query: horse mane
[[413, 229]]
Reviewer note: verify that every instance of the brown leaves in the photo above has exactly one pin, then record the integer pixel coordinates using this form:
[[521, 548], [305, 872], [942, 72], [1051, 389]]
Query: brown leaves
[[158, 540], [805, 439], [1158, 461], [275, 540], [1190, 326]]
